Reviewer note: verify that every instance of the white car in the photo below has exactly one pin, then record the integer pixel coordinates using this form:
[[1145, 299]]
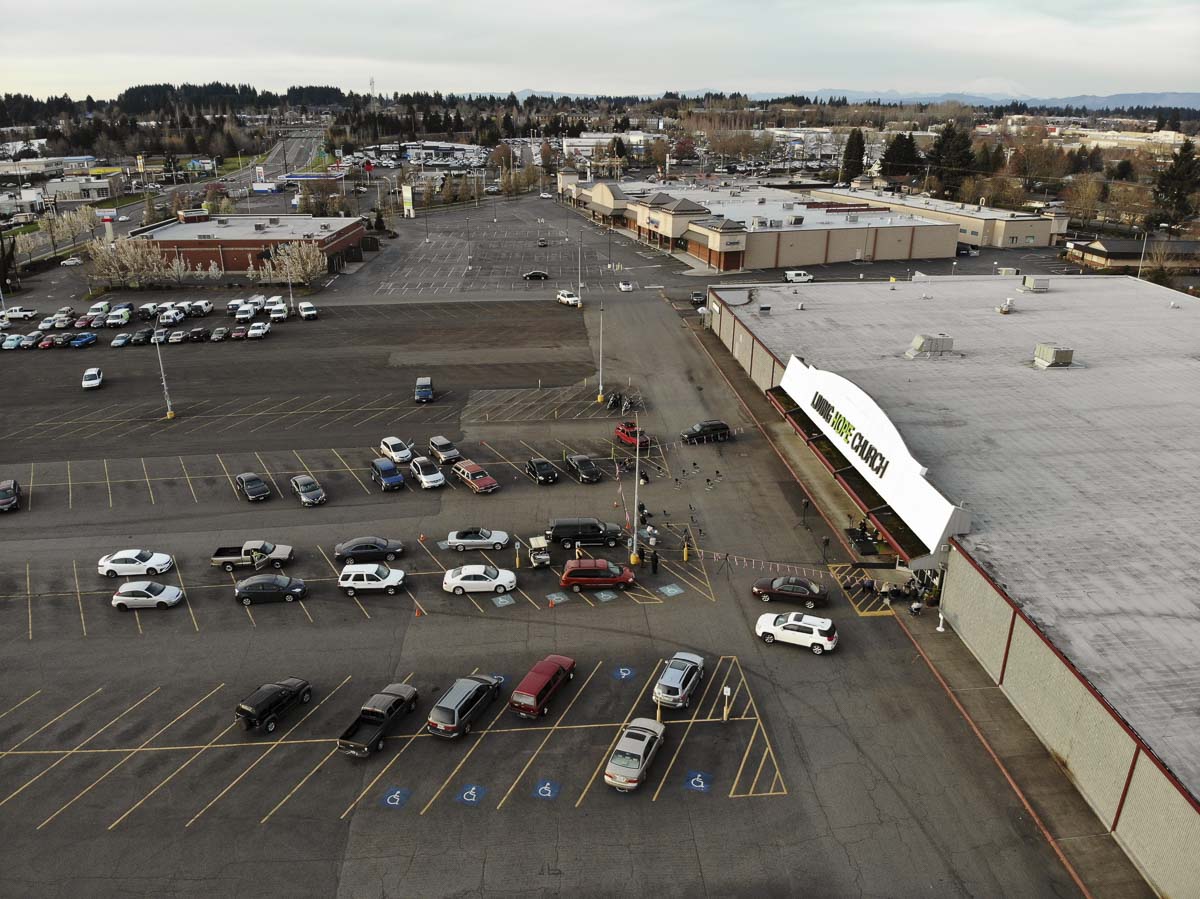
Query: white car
[[308, 311], [478, 579], [374, 576], [546, 196], [426, 472], [259, 330], [625, 286], [92, 378], [46, 323], [122, 218], [72, 260], [278, 313], [568, 298], [476, 538], [134, 562], [395, 449], [146, 595], [817, 634]]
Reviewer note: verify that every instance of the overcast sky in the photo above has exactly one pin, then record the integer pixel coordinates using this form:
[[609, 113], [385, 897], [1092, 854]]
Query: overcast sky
[[1018, 47]]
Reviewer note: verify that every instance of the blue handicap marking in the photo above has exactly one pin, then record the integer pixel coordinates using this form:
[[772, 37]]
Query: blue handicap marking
[[499, 677], [500, 600], [396, 797], [557, 598], [699, 781], [606, 595], [546, 789], [442, 544], [471, 794], [623, 672], [670, 589]]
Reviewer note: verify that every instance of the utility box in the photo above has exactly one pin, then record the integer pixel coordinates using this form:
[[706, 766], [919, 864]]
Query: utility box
[[1050, 355], [1035, 284], [930, 345]]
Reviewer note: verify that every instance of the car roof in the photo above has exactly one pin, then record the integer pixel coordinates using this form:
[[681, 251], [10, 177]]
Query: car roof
[[586, 564], [360, 568], [472, 569], [810, 620], [264, 578]]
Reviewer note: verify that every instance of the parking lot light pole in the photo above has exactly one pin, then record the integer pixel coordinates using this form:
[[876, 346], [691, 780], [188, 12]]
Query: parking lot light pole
[[163, 375], [468, 242], [637, 480], [600, 394]]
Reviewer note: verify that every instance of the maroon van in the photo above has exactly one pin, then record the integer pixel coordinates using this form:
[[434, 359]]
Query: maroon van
[[532, 697]]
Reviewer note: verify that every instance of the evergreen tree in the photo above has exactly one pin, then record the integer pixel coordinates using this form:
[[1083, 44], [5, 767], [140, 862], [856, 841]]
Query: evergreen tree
[[1124, 171], [1175, 185], [983, 159], [950, 159], [1173, 121], [852, 159]]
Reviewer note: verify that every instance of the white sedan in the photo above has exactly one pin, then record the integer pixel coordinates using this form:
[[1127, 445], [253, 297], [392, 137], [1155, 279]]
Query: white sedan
[[92, 378], [625, 287], [395, 449], [477, 538], [72, 260], [134, 562], [568, 298], [478, 579], [146, 595], [546, 196], [122, 218]]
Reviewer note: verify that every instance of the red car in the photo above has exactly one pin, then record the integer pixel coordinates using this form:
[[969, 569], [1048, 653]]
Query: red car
[[239, 333], [631, 435], [532, 697], [597, 574], [47, 342], [473, 475]]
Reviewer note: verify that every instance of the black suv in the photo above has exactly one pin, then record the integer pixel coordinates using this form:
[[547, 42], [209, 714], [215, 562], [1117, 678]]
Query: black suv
[[268, 703], [252, 486], [568, 532], [141, 337], [541, 471], [467, 698], [704, 431], [583, 468]]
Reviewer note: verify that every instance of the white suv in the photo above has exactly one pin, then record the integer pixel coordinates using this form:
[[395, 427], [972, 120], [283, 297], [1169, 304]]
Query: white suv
[[568, 298], [356, 578], [426, 472], [817, 634], [395, 449]]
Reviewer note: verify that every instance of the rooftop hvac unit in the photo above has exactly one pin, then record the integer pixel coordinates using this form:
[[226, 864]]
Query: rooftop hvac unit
[[1034, 284], [764, 309], [222, 221], [852, 217], [205, 237], [324, 226], [776, 223], [789, 205], [273, 221], [1049, 355], [758, 222], [762, 201], [260, 226], [308, 235], [796, 220], [929, 345]]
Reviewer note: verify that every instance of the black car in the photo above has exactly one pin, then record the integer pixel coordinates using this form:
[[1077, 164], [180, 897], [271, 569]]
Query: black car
[[218, 335], [268, 703], [269, 588], [536, 275], [704, 431], [583, 468], [141, 337], [199, 335], [367, 549], [542, 242], [541, 471], [251, 486], [791, 589], [10, 496], [467, 699]]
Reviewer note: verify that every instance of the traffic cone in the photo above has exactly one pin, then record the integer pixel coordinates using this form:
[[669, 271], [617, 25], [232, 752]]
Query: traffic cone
[[417, 613], [552, 604]]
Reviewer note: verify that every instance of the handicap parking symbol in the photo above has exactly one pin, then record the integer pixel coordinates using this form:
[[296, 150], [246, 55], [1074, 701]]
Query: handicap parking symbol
[[623, 672], [500, 600], [471, 794], [670, 589], [442, 544], [396, 797], [546, 789], [557, 599], [605, 595], [698, 781]]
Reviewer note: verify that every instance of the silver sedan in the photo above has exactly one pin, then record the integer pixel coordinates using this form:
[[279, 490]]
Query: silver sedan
[[476, 538], [146, 595]]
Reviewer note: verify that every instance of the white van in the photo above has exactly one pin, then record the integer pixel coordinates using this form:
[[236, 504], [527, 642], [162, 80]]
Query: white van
[[100, 308], [117, 319], [796, 276]]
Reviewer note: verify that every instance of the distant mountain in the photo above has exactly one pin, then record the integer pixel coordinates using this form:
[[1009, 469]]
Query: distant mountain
[[1168, 99]]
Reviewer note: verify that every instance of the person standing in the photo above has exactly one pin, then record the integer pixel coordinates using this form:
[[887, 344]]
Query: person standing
[[654, 561]]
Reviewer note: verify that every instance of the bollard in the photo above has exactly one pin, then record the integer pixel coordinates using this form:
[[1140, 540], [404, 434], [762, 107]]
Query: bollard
[[658, 712], [685, 550], [634, 559], [517, 553], [728, 699]]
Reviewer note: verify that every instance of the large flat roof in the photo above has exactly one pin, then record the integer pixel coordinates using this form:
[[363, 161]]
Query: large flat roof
[[740, 202], [241, 227], [916, 204], [1083, 483]]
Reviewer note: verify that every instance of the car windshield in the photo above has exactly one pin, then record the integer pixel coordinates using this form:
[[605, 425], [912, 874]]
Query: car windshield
[[623, 759], [490, 573], [154, 589], [441, 715], [614, 569], [253, 481], [7, 493], [143, 555], [780, 620], [483, 532], [478, 475], [381, 571], [308, 485]]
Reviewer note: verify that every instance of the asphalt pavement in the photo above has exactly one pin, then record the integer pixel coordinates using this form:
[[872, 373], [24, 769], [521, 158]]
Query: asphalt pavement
[[849, 773]]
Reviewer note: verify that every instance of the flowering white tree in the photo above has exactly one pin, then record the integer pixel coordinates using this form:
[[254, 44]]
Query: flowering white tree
[[214, 271], [178, 269]]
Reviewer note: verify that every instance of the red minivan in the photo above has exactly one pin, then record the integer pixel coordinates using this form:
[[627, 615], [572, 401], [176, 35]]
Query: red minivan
[[598, 574], [532, 697]]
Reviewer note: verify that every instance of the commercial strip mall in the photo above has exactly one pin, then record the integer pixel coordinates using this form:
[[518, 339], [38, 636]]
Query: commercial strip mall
[[1032, 448]]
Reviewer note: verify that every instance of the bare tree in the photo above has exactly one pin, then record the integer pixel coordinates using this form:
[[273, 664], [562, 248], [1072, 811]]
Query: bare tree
[[1160, 264], [1083, 198], [29, 244]]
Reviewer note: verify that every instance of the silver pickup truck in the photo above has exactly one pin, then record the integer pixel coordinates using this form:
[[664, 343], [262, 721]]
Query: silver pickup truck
[[255, 554]]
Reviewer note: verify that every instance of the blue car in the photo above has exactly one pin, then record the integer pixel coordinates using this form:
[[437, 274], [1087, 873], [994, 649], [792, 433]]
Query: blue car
[[121, 339], [385, 473], [87, 338]]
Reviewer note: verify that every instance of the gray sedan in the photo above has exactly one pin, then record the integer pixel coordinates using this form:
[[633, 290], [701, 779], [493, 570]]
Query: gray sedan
[[307, 490], [476, 538], [634, 752]]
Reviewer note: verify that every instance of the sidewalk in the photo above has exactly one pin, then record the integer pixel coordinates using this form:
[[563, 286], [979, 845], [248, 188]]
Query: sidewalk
[[1089, 853]]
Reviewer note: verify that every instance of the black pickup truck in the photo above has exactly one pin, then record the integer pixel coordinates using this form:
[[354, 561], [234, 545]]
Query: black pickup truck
[[367, 733], [268, 703]]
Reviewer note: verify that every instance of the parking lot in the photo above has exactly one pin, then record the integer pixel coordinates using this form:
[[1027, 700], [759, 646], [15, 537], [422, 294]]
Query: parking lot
[[116, 730]]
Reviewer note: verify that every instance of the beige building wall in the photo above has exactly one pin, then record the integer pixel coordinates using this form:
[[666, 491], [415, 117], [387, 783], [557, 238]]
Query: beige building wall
[[1158, 826]]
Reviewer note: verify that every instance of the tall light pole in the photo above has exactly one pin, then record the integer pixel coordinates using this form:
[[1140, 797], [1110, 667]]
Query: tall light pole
[[468, 243], [637, 480], [580, 255], [600, 394], [1145, 237], [163, 375]]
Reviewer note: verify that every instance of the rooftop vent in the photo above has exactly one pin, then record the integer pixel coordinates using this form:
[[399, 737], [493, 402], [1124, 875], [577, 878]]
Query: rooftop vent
[[260, 226], [273, 221], [929, 345], [222, 221], [324, 226], [762, 201], [1034, 284], [852, 217], [1006, 307], [205, 236], [764, 309], [1049, 355], [789, 205]]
